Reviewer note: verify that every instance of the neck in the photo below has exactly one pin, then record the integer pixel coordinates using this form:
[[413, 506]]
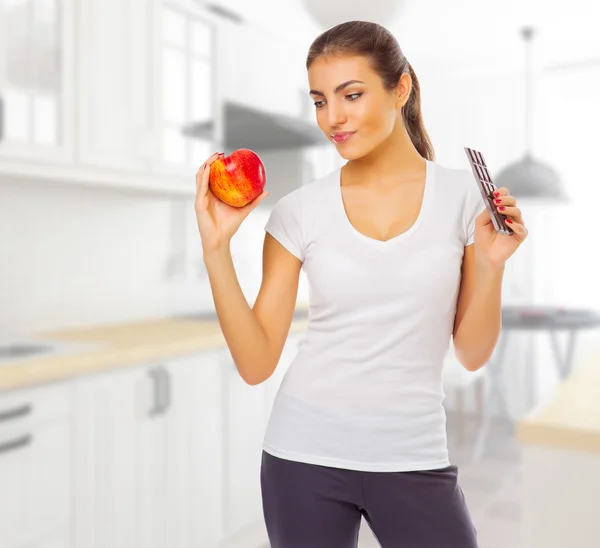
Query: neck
[[395, 158]]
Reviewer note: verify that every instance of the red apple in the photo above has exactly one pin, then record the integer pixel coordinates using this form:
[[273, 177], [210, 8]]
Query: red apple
[[239, 178]]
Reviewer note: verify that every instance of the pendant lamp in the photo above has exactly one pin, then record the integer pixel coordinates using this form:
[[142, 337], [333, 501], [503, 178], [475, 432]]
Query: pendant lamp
[[528, 177]]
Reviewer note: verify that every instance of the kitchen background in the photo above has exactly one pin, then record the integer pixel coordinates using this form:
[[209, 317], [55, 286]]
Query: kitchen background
[[110, 106]]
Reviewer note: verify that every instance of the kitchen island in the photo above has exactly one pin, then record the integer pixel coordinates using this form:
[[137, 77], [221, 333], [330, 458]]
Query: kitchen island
[[561, 464]]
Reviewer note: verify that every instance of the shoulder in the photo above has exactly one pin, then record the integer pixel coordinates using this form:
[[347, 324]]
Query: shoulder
[[458, 184], [303, 204], [459, 178], [306, 199]]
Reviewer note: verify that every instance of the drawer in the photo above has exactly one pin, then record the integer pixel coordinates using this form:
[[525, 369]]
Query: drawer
[[35, 406]]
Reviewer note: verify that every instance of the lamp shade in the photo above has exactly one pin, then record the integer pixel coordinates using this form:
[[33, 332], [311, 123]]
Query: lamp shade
[[529, 178], [328, 13]]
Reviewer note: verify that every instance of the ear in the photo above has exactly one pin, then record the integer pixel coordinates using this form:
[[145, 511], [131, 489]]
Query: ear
[[403, 89]]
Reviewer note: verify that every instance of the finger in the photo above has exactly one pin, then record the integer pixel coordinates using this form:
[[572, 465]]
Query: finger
[[200, 171], [199, 178], [203, 176], [513, 212], [501, 191], [506, 200], [519, 229]]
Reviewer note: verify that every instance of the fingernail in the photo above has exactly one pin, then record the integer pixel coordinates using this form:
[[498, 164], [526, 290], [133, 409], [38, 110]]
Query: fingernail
[[501, 208], [496, 193], [509, 221]]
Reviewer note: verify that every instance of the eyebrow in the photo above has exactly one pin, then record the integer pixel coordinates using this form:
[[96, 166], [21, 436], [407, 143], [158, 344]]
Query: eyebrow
[[336, 90]]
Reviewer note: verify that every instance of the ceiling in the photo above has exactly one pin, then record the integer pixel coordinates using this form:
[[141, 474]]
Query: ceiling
[[477, 33]]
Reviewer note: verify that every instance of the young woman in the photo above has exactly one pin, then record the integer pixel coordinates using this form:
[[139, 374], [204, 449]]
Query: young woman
[[400, 255]]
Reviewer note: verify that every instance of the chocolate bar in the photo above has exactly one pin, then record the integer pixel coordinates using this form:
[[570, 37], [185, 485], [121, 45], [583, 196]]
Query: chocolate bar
[[487, 188]]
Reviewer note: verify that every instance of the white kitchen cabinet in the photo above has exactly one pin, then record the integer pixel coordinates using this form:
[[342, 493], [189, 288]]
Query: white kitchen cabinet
[[37, 80], [117, 127], [35, 462], [184, 84], [194, 459], [147, 455], [47, 485], [247, 410], [260, 69], [117, 459], [244, 430], [146, 71], [12, 496], [59, 539]]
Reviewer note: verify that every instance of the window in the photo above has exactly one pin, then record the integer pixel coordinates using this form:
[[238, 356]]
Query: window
[[187, 85], [32, 67]]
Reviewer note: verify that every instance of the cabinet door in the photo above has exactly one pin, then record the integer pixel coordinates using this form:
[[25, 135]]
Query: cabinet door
[[260, 69], [13, 445], [58, 539], [47, 487], [34, 463], [115, 64], [117, 456], [244, 432], [185, 86], [36, 80], [194, 471]]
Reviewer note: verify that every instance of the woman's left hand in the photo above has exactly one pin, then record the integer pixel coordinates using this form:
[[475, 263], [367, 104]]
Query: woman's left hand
[[492, 248]]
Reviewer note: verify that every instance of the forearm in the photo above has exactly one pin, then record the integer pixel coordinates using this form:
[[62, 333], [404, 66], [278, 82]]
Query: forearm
[[243, 333], [479, 330]]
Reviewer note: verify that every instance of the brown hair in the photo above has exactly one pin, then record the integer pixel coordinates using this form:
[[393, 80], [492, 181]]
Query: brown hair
[[383, 52]]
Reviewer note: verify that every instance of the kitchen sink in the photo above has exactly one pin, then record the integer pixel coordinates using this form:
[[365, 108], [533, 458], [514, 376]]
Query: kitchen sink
[[25, 349]]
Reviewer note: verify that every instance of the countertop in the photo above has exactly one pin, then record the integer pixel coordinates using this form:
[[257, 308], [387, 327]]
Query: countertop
[[570, 417], [126, 344]]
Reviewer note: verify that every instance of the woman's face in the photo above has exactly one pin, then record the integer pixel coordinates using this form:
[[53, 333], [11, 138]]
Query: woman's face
[[365, 108]]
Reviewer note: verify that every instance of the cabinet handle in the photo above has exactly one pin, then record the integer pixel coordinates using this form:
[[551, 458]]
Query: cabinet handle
[[156, 406], [166, 375], [16, 444], [16, 412]]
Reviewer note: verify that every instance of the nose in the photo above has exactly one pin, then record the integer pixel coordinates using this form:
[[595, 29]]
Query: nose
[[336, 116]]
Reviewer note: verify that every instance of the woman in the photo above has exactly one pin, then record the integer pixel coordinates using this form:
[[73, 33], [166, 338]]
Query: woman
[[400, 254]]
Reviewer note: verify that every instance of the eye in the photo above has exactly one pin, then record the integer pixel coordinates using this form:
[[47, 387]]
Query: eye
[[351, 95]]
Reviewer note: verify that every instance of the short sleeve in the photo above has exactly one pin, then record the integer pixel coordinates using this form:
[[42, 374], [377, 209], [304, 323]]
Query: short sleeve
[[285, 223], [474, 205]]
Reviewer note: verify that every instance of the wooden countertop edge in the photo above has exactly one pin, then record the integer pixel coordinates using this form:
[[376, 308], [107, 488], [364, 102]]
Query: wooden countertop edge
[[67, 366]]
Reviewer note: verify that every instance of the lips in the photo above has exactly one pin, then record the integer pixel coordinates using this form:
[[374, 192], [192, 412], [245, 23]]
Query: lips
[[343, 137]]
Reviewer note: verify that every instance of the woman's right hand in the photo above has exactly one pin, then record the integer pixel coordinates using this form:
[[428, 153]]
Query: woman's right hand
[[217, 221]]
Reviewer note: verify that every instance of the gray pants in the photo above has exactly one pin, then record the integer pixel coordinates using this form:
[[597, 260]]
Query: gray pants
[[313, 506]]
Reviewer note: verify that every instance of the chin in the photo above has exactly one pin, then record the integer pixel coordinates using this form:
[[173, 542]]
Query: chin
[[347, 154]]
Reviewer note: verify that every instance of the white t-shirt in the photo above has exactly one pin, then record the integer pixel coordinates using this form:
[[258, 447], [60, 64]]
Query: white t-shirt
[[364, 391]]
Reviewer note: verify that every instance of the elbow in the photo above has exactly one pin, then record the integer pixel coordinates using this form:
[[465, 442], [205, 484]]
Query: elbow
[[473, 366], [253, 381], [257, 377], [469, 362]]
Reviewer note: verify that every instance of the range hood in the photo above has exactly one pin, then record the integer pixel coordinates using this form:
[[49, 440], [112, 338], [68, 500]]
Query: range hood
[[247, 127]]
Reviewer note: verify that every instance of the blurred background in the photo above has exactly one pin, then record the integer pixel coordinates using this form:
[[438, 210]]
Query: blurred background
[[123, 421]]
